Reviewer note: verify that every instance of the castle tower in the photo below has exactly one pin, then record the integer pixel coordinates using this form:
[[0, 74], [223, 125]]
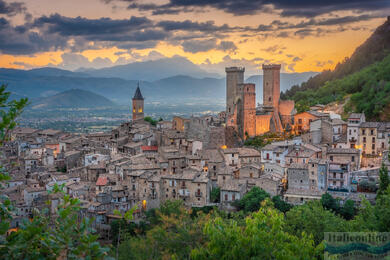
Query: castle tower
[[234, 76], [271, 86], [249, 110], [138, 105]]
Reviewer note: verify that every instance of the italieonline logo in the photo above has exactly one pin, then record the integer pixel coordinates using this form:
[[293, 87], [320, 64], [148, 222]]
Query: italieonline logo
[[357, 245]]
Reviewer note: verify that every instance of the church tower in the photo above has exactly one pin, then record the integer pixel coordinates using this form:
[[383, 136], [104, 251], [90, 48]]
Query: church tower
[[138, 105]]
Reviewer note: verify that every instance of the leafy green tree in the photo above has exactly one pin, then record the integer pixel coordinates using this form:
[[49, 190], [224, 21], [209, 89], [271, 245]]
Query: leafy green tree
[[50, 236], [176, 234], [150, 120], [374, 217], [262, 237], [348, 210], [215, 195], [280, 204], [330, 203], [312, 218], [384, 180], [251, 201]]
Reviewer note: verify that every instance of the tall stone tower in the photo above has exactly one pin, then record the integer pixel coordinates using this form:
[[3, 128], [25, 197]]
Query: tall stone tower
[[234, 77], [271, 86], [138, 105], [249, 109]]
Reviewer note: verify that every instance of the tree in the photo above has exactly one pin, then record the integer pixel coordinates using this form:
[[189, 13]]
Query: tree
[[374, 218], [150, 120], [330, 203], [312, 218], [215, 195], [50, 236], [175, 235], [280, 204], [252, 200], [348, 211], [261, 237], [384, 180]]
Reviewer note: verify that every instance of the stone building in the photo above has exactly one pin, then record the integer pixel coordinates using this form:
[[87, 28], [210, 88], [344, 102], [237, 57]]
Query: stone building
[[354, 120], [138, 105], [241, 112], [298, 176]]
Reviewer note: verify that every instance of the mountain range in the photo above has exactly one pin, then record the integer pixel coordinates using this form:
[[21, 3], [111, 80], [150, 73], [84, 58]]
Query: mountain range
[[173, 79], [152, 70]]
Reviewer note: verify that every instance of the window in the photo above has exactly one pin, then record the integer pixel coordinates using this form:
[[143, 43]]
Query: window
[[363, 132], [233, 197], [383, 145], [350, 131], [251, 175], [373, 139], [372, 131], [353, 158], [267, 156], [331, 158], [300, 121], [269, 99], [364, 139], [226, 197]]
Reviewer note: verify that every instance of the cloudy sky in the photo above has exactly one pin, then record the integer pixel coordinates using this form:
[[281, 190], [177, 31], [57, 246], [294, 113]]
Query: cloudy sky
[[302, 35]]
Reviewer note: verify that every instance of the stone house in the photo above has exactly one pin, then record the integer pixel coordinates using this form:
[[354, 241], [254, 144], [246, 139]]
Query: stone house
[[332, 130], [354, 121], [191, 186], [298, 176], [230, 192], [345, 156], [338, 176]]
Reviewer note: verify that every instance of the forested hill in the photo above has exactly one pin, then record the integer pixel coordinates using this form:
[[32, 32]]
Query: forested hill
[[364, 76]]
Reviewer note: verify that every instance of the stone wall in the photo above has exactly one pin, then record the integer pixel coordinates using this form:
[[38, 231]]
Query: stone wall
[[262, 124]]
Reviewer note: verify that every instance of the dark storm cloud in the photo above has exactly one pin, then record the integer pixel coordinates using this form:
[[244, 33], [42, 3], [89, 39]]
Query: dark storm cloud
[[195, 46], [82, 26], [18, 40], [188, 25], [11, 9], [299, 8]]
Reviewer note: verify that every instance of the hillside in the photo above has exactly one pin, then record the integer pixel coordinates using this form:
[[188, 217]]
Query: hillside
[[74, 98], [374, 49], [364, 78]]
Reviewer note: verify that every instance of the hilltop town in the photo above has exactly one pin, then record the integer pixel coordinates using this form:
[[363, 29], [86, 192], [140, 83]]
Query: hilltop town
[[145, 162]]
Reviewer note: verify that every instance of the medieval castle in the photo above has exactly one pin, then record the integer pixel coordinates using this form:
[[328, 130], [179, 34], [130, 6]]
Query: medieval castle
[[274, 115]]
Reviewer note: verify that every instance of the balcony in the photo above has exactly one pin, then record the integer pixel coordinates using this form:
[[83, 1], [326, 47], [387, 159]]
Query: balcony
[[184, 193], [198, 194], [352, 140], [337, 178]]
